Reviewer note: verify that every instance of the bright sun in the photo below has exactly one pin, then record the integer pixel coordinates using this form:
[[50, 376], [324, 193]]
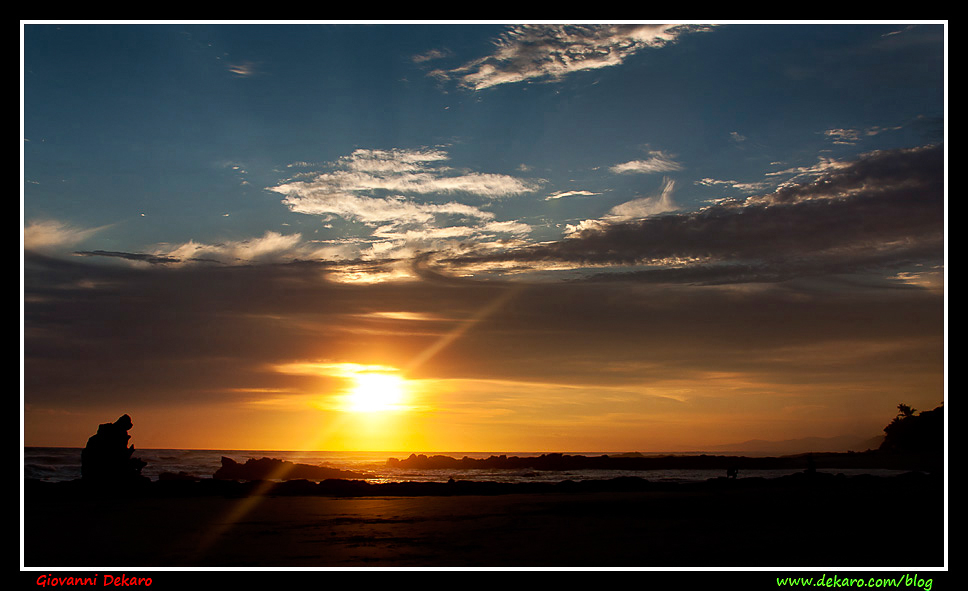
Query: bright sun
[[376, 392]]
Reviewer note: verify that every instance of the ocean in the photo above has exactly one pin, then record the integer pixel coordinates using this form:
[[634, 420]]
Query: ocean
[[54, 464]]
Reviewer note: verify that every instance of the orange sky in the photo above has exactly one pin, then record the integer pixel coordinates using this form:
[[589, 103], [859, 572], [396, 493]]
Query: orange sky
[[229, 359]]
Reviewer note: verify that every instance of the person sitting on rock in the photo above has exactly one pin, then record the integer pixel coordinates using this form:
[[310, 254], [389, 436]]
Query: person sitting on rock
[[107, 457]]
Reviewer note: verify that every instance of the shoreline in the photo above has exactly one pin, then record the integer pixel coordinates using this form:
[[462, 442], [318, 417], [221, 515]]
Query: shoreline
[[544, 467], [176, 486]]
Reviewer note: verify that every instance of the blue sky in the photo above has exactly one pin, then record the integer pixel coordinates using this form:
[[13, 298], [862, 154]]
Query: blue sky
[[156, 135], [488, 152]]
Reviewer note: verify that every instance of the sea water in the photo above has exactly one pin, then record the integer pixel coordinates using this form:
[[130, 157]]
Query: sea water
[[55, 464]]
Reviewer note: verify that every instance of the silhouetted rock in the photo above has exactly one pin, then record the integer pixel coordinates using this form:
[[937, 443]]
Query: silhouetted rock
[[865, 486], [567, 462], [107, 458], [275, 469]]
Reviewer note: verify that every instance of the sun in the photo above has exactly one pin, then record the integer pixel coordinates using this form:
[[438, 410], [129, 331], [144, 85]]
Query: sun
[[376, 392]]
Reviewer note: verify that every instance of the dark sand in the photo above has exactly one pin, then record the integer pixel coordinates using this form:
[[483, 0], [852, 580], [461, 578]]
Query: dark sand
[[883, 523]]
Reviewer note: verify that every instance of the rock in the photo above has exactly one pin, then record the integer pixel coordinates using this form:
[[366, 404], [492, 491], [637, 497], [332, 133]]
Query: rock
[[275, 469]]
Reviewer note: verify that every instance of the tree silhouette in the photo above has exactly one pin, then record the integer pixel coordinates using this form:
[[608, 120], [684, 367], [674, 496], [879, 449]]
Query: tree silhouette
[[904, 411], [921, 434]]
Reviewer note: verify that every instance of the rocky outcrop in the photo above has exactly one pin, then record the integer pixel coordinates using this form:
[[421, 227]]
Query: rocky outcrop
[[275, 469], [563, 462]]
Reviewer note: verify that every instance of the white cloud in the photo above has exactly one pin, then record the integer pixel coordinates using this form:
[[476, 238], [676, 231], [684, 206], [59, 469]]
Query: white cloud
[[899, 31], [309, 199], [573, 230], [47, 234], [843, 136], [391, 161], [552, 51], [402, 242], [391, 232], [852, 136], [656, 162], [507, 227], [745, 187], [270, 247], [433, 54], [824, 165], [399, 192], [353, 189], [645, 206], [244, 69], [635, 209], [401, 171], [563, 194]]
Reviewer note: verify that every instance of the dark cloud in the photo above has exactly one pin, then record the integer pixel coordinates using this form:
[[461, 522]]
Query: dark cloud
[[95, 334], [885, 210], [130, 256]]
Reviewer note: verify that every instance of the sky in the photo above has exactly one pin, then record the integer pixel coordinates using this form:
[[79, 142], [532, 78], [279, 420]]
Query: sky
[[424, 236]]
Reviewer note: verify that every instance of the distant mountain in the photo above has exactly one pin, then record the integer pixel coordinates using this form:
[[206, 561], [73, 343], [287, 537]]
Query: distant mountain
[[842, 443]]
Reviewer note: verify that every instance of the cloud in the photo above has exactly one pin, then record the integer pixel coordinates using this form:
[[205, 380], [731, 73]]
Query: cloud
[[657, 162], [882, 172], [391, 161], [243, 69], [312, 199], [135, 257], [645, 206], [563, 194], [396, 192], [510, 227], [491, 186], [191, 336], [843, 136], [270, 248], [880, 214], [433, 54], [823, 166], [406, 172], [852, 136], [50, 234], [409, 195], [635, 209], [744, 187], [530, 52], [882, 211], [899, 31]]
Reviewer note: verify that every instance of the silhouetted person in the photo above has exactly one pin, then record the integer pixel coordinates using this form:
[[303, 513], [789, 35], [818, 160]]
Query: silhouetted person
[[732, 472], [107, 457]]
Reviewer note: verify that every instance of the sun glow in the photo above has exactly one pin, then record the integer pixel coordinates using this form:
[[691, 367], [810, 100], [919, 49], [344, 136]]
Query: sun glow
[[376, 392]]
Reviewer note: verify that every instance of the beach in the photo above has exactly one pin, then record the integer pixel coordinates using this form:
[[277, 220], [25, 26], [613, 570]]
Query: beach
[[793, 522]]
